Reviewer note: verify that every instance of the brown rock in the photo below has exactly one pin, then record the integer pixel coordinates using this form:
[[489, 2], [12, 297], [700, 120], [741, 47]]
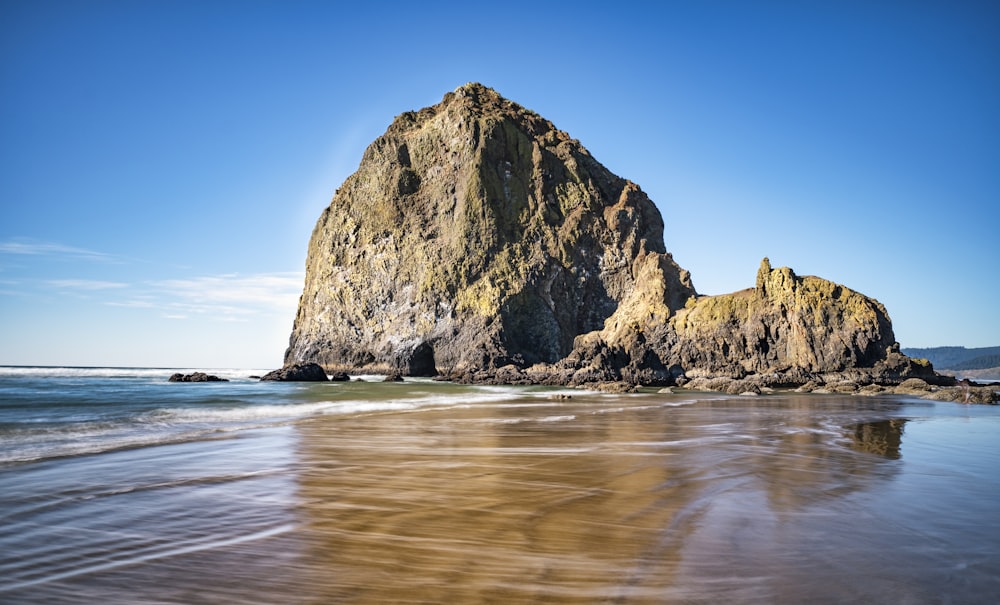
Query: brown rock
[[474, 235], [299, 372], [479, 242]]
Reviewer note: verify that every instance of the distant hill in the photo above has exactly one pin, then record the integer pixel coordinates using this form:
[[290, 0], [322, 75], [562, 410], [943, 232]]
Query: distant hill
[[953, 358], [979, 363]]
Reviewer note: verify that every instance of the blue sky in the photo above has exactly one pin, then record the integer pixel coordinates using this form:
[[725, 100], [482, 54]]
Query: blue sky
[[164, 162]]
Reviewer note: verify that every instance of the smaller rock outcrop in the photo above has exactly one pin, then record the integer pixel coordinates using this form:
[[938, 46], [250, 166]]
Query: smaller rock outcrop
[[195, 377], [783, 332], [785, 322], [299, 372]]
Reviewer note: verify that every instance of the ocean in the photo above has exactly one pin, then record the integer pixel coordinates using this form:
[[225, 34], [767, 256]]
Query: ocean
[[117, 486]]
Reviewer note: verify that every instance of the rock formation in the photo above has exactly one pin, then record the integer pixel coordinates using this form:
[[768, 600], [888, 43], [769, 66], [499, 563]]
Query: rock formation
[[786, 330], [195, 377], [301, 372], [473, 235], [478, 241]]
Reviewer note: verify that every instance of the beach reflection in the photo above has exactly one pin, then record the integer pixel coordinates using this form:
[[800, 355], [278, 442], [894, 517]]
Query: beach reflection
[[418, 493], [593, 500], [881, 437]]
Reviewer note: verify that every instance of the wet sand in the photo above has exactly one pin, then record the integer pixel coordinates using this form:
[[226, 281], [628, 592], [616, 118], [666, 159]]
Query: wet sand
[[599, 499]]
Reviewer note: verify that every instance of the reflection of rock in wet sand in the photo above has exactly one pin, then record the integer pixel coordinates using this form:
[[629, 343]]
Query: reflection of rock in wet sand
[[458, 506], [882, 437], [580, 501]]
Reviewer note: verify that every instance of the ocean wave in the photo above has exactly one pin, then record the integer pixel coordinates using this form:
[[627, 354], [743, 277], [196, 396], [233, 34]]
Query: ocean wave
[[131, 551], [208, 418], [479, 396], [93, 441]]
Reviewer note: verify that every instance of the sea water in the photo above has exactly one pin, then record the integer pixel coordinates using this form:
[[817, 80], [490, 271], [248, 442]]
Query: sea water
[[117, 486]]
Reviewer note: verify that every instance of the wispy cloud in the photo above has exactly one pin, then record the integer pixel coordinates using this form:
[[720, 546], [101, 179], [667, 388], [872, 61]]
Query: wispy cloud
[[226, 297], [135, 303], [84, 284], [229, 297], [264, 290], [39, 248]]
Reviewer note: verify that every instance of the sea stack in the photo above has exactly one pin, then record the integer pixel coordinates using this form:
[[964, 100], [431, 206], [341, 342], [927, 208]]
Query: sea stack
[[474, 235], [479, 242]]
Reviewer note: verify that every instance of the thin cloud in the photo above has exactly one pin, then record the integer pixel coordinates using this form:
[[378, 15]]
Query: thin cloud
[[235, 293], [52, 249], [84, 284], [133, 304], [11, 287], [229, 297]]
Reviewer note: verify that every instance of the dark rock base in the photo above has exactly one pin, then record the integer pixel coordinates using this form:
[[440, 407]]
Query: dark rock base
[[299, 372], [195, 377]]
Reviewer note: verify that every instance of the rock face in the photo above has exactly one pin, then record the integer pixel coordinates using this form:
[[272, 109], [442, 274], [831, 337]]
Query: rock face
[[478, 241], [786, 321], [473, 235]]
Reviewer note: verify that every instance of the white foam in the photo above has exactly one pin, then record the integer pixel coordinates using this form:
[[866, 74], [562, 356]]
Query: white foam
[[151, 552], [563, 418], [95, 442], [180, 424]]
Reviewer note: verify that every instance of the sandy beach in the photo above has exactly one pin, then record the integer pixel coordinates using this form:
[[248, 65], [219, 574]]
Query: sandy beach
[[430, 493]]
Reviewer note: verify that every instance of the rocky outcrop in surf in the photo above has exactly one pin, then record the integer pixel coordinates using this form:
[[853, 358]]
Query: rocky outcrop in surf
[[479, 242], [300, 372], [195, 377]]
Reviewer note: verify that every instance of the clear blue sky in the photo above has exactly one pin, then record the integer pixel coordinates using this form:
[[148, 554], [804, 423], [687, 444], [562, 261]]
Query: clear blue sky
[[164, 162]]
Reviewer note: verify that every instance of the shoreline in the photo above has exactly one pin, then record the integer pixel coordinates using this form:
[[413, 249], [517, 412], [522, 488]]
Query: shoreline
[[852, 381]]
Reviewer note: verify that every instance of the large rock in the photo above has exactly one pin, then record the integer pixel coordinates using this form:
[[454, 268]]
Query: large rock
[[477, 240], [474, 235]]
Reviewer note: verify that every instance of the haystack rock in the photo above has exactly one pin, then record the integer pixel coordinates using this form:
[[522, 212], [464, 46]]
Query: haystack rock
[[474, 235], [477, 240]]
